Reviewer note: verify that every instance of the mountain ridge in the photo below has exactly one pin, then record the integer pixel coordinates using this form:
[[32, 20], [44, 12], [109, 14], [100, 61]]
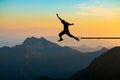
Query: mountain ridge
[[104, 67], [39, 57], [86, 49]]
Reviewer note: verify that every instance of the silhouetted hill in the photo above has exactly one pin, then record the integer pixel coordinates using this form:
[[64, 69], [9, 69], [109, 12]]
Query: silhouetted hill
[[105, 67], [37, 57], [42, 43], [85, 48]]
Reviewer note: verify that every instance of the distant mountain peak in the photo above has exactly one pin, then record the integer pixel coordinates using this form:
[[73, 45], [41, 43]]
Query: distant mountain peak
[[33, 40], [104, 49], [30, 41], [38, 42], [43, 39], [33, 37]]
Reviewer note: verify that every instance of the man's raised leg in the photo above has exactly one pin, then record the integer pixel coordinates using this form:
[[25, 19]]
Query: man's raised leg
[[60, 35], [70, 35]]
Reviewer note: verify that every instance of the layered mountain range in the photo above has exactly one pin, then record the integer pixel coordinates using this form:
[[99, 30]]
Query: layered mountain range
[[37, 57]]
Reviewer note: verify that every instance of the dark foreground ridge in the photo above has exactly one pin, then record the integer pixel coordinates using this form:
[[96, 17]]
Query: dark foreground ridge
[[105, 67]]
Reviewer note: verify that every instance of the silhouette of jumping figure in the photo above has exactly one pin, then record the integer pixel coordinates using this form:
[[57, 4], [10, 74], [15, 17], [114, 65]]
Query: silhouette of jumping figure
[[66, 30]]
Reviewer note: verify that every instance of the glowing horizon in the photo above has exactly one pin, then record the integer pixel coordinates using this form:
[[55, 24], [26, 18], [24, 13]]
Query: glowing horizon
[[38, 17]]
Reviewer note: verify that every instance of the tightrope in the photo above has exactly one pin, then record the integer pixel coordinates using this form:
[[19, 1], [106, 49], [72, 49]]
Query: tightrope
[[99, 37]]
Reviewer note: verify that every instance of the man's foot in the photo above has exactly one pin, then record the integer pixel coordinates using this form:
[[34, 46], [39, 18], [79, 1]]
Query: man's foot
[[76, 38], [60, 40]]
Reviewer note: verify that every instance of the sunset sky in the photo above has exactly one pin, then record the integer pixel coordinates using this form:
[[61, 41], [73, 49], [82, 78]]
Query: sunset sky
[[24, 18]]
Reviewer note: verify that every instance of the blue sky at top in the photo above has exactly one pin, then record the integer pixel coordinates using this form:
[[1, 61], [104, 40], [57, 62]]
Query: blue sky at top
[[39, 6]]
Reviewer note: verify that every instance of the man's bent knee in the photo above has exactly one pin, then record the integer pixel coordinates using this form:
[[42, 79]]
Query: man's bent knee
[[60, 34]]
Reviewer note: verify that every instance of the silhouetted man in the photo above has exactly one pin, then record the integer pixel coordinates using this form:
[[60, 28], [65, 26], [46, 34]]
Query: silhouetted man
[[66, 30]]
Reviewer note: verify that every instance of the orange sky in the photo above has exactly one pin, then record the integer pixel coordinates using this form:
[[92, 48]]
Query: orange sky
[[21, 20]]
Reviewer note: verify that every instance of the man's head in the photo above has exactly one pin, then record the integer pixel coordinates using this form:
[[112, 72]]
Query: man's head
[[63, 20]]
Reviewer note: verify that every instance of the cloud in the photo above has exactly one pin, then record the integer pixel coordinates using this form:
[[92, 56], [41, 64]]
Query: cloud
[[97, 10]]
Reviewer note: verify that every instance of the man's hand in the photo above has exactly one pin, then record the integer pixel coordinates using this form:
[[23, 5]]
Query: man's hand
[[72, 23], [59, 17], [57, 14]]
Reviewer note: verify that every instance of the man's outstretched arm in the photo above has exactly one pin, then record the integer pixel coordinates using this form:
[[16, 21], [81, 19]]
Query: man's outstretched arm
[[59, 17], [71, 24]]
